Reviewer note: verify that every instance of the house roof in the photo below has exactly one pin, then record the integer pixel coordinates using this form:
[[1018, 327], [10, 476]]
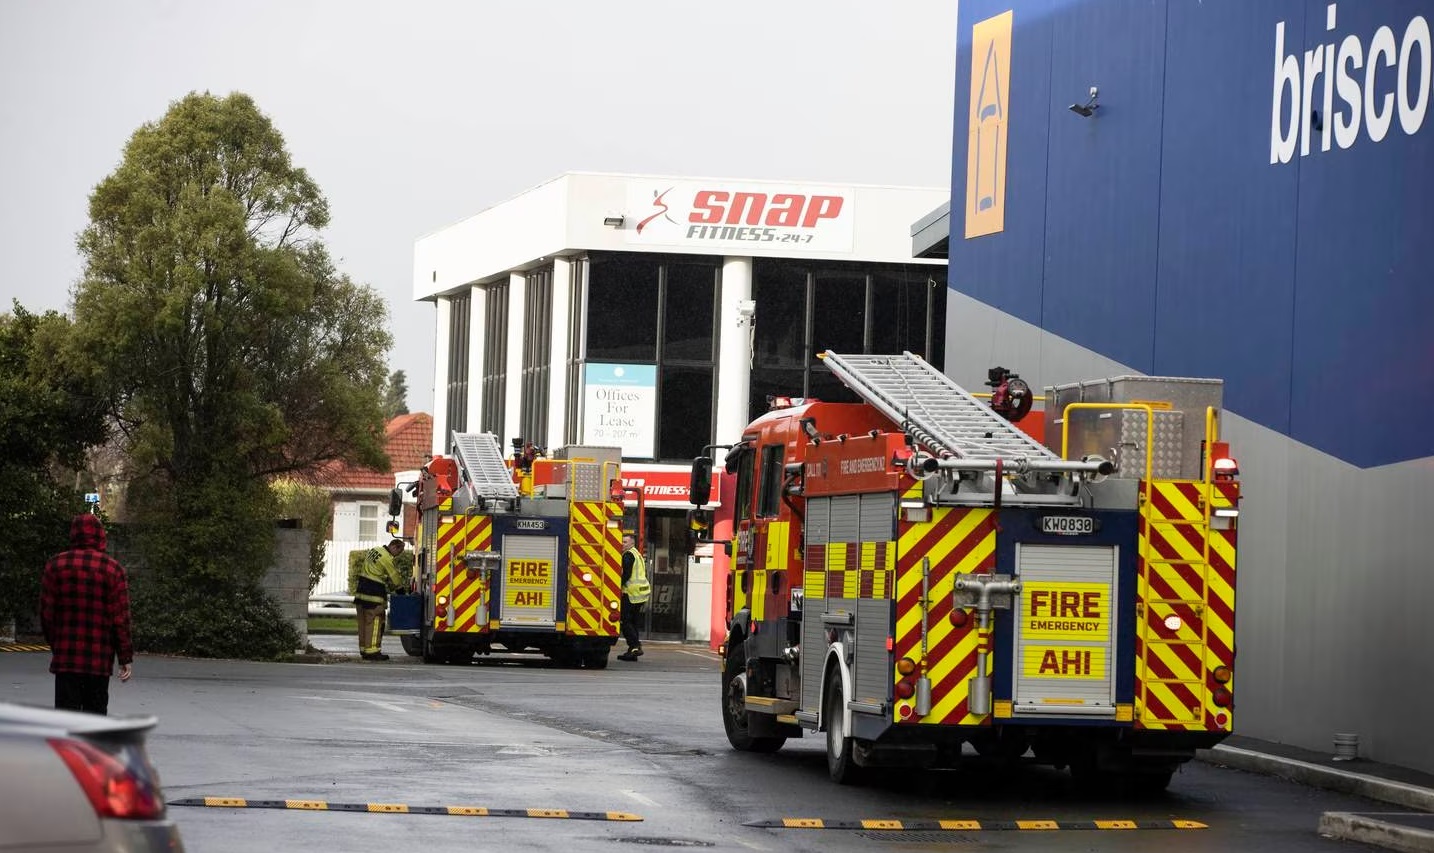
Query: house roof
[[409, 439]]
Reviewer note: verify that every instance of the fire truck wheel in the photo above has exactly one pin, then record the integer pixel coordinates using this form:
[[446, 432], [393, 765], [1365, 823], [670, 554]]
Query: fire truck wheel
[[595, 660], [735, 717], [841, 764], [412, 645]]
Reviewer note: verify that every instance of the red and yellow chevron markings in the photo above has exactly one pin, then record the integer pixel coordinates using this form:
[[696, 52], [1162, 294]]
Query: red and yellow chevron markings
[[1185, 592], [466, 590], [956, 540], [591, 576], [398, 808]]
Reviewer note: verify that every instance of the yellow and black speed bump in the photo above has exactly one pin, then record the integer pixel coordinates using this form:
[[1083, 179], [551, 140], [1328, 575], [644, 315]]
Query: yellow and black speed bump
[[398, 808], [969, 825], [24, 647]]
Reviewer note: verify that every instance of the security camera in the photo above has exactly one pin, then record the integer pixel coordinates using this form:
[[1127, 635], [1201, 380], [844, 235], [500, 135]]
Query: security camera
[[1087, 109]]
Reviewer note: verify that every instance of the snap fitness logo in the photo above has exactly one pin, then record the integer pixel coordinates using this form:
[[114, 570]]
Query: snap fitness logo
[[751, 216], [1303, 111]]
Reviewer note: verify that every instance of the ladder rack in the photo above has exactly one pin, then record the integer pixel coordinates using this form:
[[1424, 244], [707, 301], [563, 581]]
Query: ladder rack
[[483, 465], [939, 414]]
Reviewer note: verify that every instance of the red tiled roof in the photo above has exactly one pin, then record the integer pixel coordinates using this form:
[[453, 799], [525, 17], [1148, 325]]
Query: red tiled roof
[[409, 444]]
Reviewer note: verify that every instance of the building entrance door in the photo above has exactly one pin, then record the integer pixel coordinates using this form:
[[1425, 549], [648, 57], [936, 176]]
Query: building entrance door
[[667, 557]]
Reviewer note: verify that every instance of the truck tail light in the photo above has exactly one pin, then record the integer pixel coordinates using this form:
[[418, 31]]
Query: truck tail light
[[1222, 674], [1222, 697]]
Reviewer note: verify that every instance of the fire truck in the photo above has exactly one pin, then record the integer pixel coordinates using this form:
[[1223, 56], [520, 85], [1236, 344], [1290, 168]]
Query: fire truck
[[516, 556], [923, 581]]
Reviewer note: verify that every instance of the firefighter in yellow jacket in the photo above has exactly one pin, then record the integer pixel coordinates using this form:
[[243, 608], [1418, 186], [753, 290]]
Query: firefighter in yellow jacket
[[370, 582], [635, 592]]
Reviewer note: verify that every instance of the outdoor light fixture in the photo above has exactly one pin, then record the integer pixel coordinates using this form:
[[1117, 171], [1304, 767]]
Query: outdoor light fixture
[[613, 221], [1087, 109]]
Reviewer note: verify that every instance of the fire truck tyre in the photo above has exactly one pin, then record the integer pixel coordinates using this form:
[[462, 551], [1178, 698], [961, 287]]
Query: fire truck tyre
[[735, 715], [412, 644], [841, 764], [1147, 781], [457, 655], [595, 660]]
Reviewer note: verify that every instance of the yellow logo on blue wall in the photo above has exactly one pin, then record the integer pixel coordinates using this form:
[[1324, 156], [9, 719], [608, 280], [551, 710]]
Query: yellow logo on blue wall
[[986, 147]]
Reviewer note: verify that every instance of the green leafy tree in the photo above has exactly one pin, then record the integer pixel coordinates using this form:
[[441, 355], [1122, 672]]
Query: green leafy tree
[[234, 350], [396, 397], [50, 415]]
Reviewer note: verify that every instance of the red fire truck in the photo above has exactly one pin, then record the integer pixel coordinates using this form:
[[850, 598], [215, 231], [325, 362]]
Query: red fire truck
[[914, 575], [517, 555]]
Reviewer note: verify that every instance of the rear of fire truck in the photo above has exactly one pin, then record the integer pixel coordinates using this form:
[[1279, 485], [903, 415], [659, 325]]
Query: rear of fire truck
[[915, 574], [517, 556]]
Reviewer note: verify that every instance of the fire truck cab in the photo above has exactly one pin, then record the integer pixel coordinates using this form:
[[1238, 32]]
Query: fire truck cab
[[914, 573]]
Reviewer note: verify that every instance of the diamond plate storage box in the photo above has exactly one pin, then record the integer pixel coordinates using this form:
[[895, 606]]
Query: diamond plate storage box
[[1122, 435]]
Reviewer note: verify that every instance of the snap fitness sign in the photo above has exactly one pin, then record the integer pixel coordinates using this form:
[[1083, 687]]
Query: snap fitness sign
[[749, 217]]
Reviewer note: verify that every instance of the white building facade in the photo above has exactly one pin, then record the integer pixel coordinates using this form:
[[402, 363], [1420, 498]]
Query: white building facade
[[658, 314]]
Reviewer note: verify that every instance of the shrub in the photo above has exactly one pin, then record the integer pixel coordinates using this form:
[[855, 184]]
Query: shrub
[[215, 619]]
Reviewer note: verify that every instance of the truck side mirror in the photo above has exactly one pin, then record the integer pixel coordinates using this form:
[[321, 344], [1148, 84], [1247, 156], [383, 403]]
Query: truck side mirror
[[699, 487], [395, 502]]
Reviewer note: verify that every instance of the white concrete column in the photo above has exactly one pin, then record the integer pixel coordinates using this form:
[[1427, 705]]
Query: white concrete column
[[734, 349], [477, 345], [558, 356], [442, 314], [513, 405]]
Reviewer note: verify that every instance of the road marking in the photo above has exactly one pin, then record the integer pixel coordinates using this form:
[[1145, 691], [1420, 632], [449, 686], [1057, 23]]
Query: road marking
[[1040, 825], [650, 803], [399, 808], [389, 706]]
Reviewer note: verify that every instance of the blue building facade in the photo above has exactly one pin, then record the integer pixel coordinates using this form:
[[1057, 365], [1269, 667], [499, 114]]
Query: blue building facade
[[1241, 190]]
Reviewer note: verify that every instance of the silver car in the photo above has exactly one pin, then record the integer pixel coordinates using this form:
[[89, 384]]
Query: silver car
[[79, 782]]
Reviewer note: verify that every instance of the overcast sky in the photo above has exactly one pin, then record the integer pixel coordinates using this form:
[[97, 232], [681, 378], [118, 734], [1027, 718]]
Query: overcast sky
[[411, 116]]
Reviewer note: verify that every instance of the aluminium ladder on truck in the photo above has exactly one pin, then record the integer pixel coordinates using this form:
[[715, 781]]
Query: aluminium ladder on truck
[[483, 465], [962, 432]]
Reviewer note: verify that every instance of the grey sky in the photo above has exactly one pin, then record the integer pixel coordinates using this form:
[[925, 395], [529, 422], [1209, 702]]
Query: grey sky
[[411, 116]]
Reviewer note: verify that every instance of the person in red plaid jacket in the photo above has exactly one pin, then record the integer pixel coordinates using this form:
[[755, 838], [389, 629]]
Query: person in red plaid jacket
[[84, 612]]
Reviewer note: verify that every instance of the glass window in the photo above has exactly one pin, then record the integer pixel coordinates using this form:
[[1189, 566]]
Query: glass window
[[908, 309], [622, 308], [780, 291], [688, 311], [838, 312], [459, 328], [685, 411], [495, 361], [743, 461], [774, 382], [368, 522], [771, 495]]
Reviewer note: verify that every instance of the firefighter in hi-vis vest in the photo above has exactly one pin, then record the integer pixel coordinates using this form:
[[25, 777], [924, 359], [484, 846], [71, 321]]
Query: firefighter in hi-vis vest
[[370, 582], [635, 591]]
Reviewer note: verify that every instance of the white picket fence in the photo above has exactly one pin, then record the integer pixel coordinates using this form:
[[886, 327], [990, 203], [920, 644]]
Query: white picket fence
[[331, 595]]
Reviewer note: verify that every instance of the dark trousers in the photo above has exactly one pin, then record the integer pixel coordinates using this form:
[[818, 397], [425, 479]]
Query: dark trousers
[[632, 623], [79, 692]]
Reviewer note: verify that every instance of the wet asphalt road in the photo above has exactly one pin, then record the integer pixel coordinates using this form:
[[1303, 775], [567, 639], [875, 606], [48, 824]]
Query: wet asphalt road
[[643, 739]]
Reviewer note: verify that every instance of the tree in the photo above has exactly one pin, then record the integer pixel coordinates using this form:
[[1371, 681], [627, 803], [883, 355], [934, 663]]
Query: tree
[[233, 349], [396, 397], [50, 415]]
